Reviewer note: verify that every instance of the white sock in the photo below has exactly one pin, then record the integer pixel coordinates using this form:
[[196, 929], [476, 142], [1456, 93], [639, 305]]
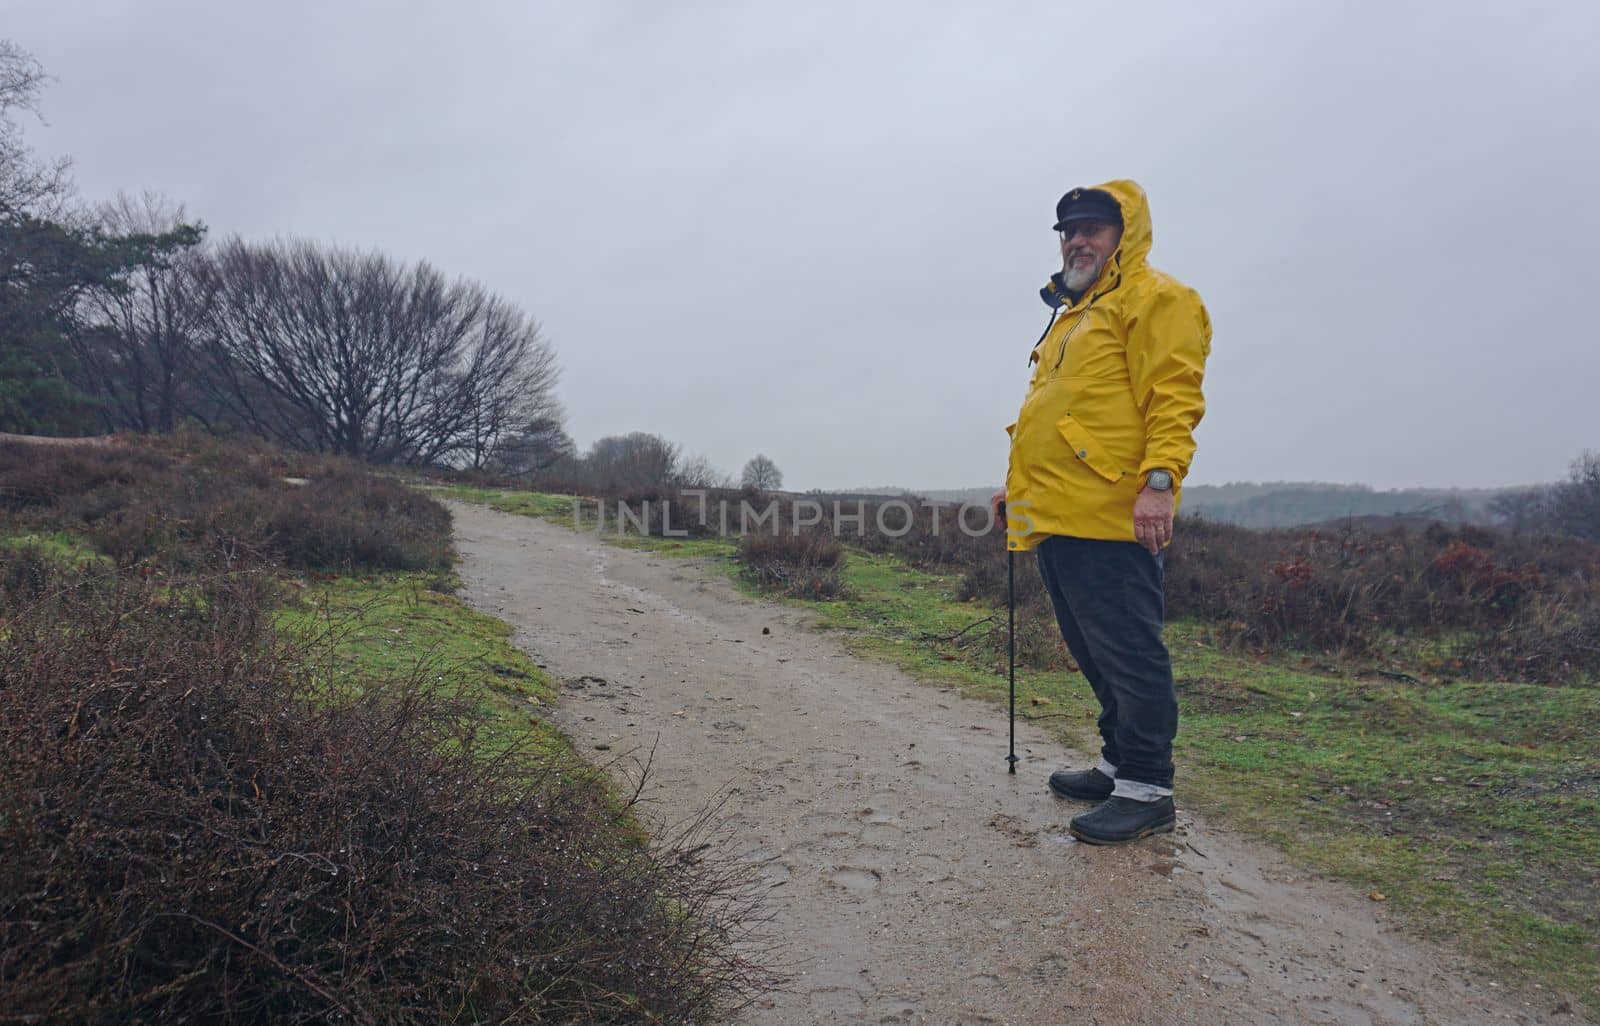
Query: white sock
[[1140, 791]]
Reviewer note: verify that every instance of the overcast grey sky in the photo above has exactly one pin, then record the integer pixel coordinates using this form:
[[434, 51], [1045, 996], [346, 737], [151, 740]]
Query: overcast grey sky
[[817, 230]]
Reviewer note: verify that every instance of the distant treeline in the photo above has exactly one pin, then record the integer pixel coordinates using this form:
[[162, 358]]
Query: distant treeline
[[1288, 504]]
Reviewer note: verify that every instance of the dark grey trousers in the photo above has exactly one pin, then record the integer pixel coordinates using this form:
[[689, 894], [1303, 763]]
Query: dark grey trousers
[[1108, 601]]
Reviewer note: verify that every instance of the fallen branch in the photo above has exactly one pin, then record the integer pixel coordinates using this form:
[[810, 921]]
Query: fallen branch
[[951, 637]]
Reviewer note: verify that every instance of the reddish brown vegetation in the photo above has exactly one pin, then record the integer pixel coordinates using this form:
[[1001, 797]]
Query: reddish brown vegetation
[[1455, 600]]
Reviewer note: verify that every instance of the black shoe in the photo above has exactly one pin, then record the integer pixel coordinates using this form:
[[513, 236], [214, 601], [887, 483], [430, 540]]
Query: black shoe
[[1120, 820], [1088, 785]]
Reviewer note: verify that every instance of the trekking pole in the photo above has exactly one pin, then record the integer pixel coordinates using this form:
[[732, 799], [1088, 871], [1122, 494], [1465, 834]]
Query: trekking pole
[[1011, 649]]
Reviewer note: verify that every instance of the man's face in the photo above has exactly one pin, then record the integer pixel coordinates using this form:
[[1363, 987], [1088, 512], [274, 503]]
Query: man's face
[[1085, 248]]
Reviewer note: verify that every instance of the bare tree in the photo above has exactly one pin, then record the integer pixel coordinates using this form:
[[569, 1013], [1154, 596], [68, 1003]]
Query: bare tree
[[41, 267], [634, 462], [533, 449], [338, 351], [507, 388], [1521, 510], [1575, 503], [28, 185], [698, 472], [140, 350], [761, 474]]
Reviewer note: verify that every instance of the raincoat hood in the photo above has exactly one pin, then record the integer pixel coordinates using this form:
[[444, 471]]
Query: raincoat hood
[[1131, 253]]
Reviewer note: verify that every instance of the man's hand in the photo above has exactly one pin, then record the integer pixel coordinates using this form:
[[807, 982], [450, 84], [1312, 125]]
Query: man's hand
[[1152, 519], [997, 504]]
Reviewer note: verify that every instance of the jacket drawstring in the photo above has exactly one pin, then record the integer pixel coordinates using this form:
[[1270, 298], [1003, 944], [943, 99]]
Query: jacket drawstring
[[1047, 326]]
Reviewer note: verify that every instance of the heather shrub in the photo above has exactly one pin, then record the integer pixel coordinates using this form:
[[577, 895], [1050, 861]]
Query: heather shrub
[[1513, 605], [26, 571], [33, 476], [195, 830], [803, 565], [341, 520], [667, 512], [1038, 639], [187, 503], [939, 536], [1548, 641]]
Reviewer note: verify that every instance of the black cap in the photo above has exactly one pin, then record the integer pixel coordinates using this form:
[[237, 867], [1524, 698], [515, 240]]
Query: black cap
[[1088, 205]]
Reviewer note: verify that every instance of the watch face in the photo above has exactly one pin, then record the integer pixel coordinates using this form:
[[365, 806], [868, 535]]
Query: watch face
[[1160, 480]]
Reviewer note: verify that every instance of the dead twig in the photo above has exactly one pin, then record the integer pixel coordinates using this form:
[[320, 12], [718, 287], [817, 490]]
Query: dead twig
[[926, 636], [644, 773]]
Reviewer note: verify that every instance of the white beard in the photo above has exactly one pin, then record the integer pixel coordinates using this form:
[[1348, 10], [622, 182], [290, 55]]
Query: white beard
[[1080, 279]]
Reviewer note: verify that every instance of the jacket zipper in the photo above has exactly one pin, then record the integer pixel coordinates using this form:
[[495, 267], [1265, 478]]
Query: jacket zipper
[[1061, 354]]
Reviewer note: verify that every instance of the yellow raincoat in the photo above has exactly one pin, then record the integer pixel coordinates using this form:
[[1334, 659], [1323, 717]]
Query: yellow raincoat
[[1115, 394]]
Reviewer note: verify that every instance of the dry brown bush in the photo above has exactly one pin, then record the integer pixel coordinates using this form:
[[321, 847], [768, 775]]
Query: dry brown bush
[[802, 565], [195, 830], [188, 501]]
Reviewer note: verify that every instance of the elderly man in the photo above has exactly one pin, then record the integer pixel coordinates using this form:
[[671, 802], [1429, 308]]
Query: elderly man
[[1098, 456]]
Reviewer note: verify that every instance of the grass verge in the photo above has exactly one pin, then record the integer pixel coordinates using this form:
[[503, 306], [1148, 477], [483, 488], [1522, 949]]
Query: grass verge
[[384, 626], [555, 508]]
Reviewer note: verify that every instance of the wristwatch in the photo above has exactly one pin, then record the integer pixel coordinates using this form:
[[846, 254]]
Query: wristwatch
[[1158, 481]]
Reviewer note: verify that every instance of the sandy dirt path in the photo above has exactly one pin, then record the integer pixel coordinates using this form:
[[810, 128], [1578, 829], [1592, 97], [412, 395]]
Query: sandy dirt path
[[912, 880]]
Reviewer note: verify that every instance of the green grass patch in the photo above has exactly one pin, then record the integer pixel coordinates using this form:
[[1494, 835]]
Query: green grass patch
[[59, 547], [394, 624], [683, 548], [558, 508]]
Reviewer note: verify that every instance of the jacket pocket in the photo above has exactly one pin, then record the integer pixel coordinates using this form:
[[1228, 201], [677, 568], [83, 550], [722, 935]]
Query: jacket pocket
[[1088, 451]]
